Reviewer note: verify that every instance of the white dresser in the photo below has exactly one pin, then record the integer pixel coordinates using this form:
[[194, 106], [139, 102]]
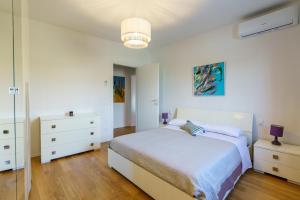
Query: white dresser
[[283, 161], [62, 136], [11, 145]]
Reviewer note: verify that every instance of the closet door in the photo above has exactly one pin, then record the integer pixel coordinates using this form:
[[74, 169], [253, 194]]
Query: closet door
[[8, 174], [18, 94], [12, 115]]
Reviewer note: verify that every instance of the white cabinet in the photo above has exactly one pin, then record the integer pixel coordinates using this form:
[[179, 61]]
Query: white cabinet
[[283, 161], [62, 136], [11, 144]]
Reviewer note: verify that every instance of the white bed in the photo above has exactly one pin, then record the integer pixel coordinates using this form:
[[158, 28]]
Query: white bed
[[158, 185]]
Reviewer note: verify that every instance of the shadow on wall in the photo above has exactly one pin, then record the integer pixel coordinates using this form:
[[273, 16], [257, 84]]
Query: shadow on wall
[[254, 129], [35, 137]]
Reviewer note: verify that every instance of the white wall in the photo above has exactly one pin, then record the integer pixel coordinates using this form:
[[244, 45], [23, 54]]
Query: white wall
[[122, 111], [262, 76], [68, 70]]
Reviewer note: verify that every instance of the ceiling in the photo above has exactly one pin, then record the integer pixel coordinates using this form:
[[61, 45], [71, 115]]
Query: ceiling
[[171, 20]]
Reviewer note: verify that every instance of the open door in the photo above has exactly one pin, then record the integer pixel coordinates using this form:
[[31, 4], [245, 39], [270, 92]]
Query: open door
[[147, 89]]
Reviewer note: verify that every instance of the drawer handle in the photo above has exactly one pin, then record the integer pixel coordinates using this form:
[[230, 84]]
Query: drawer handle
[[92, 133], [275, 157], [53, 139], [275, 169], [91, 122], [7, 162], [6, 147], [53, 126], [53, 152], [92, 144], [5, 131]]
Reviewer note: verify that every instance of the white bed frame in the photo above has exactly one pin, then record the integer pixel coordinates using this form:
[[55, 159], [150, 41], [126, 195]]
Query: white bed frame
[[160, 189]]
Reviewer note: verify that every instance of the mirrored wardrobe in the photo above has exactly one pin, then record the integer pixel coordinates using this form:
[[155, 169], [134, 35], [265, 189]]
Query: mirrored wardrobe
[[12, 103]]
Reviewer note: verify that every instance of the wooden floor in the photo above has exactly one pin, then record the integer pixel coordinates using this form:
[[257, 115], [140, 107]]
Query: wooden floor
[[87, 177], [12, 185], [124, 131]]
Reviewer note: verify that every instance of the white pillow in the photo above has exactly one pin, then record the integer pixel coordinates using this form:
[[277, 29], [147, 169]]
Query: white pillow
[[177, 122], [226, 130]]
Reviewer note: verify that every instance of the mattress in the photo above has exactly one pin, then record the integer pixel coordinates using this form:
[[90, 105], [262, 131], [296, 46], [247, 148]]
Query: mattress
[[199, 165]]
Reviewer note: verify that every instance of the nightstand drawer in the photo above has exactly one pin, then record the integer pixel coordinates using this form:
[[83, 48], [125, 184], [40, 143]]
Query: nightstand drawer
[[278, 170], [287, 160]]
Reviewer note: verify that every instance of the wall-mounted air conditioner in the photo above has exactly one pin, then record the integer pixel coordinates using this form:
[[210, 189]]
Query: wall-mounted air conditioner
[[279, 19]]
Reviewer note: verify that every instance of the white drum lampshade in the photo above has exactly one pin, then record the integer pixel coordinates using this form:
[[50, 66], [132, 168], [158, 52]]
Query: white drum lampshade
[[135, 33]]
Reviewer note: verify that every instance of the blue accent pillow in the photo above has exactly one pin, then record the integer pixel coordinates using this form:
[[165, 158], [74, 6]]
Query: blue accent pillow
[[192, 129]]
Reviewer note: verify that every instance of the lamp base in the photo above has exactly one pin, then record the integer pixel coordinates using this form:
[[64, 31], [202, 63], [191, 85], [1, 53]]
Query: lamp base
[[165, 122], [276, 142]]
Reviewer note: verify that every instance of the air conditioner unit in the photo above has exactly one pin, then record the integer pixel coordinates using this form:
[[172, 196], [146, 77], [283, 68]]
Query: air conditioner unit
[[279, 19]]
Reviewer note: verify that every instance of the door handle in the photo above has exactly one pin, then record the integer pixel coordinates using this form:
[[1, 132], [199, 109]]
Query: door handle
[[5, 131]]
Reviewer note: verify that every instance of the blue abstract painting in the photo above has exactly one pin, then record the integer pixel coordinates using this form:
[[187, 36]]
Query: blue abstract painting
[[209, 79]]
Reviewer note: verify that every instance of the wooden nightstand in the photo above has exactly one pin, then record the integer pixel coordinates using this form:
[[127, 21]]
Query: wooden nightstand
[[283, 161]]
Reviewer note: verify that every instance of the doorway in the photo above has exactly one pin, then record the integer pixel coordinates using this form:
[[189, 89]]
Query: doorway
[[124, 99]]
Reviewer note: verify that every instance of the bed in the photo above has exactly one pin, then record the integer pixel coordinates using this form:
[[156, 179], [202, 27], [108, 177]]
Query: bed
[[169, 164]]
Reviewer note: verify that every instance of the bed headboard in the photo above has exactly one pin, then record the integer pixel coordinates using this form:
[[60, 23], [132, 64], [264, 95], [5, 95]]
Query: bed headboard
[[244, 121]]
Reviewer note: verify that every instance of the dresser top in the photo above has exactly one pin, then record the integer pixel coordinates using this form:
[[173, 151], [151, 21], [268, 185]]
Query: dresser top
[[283, 148], [59, 117]]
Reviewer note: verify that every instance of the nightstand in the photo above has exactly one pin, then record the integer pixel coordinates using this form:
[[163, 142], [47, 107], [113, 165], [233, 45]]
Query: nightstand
[[282, 161]]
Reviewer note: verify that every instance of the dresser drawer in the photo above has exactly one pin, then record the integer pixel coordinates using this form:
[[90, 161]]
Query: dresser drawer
[[278, 170], [7, 131], [288, 160], [59, 151], [70, 137], [7, 162], [54, 126], [7, 147], [20, 160]]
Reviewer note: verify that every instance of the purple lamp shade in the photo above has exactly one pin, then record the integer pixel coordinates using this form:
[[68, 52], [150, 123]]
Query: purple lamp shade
[[276, 131], [164, 116]]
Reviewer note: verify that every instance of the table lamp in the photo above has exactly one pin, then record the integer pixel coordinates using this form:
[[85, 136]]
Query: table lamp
[[276, 131], [164, 117]]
